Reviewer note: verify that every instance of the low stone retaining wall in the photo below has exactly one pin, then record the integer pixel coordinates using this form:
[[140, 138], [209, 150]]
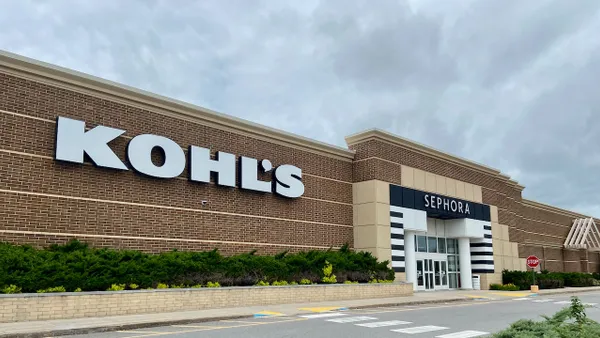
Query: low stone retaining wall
[[28, 307]]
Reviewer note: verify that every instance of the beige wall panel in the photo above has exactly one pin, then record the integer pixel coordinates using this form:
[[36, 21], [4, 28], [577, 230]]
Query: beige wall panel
[[382, 193], [496, 231], [371, 213], [364, 192], [419, 179], [494, 213], [365, 236], [507, 249], [507, 263], [460, 189], [504, 232], [450, 187], [408, 177], [430, 182], [517, 264], [498, 247], [468, 191], [440, 184], [498, 262], [515, 249], [477, 194]]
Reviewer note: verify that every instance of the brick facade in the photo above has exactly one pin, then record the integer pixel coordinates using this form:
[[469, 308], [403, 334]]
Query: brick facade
[[45, 201]]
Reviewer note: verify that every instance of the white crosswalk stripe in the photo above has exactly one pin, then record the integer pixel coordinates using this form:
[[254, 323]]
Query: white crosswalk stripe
[[589, 304], [524, 298], [420, 329], [563, 302], [323, 315], [383, 324], [542, 300], [351, 319], [463, 334]]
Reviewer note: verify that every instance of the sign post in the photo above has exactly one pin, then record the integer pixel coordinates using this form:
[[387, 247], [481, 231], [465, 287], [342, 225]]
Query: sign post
[[533, 262]]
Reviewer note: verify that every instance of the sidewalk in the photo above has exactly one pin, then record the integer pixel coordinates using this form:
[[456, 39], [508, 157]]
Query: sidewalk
[[127, 322]]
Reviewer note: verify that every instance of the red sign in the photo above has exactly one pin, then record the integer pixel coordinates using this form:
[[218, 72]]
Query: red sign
[[532, 261]]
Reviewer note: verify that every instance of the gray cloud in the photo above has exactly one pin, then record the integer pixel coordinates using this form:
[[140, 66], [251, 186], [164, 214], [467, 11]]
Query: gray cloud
[[510, 84]]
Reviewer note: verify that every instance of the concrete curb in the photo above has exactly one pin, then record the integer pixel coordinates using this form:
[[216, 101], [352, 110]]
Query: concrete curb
[[563, 291], [75, 331]]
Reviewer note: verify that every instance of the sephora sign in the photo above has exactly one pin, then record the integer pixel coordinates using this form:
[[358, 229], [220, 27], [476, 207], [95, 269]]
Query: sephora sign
[[73, 142]]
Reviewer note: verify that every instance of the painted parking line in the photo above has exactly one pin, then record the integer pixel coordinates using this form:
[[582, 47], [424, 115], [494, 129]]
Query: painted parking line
[[383, 324], [563, 302], [324, 315], [420, 329], [351, 319], [463, 334]]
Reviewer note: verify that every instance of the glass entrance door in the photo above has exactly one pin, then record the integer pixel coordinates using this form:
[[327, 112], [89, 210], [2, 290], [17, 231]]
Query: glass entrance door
[[432, 274]]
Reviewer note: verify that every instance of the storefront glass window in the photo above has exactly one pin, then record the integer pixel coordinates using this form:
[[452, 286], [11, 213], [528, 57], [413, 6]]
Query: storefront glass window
[[432, 244], [452, 246], [452, 264], [421, 243], [441, 245]]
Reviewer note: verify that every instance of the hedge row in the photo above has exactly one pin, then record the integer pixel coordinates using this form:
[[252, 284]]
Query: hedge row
[[76, 266], [549, 280], [570, 322]]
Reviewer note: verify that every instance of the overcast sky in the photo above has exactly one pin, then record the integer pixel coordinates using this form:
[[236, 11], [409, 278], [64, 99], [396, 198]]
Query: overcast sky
[[511, 84]]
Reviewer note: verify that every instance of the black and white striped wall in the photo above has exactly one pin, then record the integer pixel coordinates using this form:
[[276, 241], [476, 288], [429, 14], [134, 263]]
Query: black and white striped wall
[[397, 239], [482, 252]]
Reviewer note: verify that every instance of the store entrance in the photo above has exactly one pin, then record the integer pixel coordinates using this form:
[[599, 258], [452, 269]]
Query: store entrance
[[432, 274]]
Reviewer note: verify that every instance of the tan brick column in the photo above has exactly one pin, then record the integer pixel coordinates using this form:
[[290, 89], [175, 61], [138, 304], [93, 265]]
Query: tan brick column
[[371, 210]]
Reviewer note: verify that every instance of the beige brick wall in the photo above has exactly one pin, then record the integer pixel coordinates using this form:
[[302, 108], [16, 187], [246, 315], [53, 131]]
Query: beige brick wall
[[28, 307]]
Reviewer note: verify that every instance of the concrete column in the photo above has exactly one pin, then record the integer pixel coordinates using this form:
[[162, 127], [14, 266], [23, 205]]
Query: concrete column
[[410, 260], [464, 260]]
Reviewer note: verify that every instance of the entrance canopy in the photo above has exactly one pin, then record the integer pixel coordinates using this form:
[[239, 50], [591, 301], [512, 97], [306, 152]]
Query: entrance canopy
[[583, 235]]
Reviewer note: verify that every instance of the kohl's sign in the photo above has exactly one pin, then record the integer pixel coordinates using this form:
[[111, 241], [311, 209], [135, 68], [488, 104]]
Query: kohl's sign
[[73, 143]]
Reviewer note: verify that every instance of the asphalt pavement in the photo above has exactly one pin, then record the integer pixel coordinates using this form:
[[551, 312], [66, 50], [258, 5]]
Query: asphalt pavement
[[478, 318]]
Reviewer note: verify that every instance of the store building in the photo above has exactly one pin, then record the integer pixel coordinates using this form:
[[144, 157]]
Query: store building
[[85, 158]]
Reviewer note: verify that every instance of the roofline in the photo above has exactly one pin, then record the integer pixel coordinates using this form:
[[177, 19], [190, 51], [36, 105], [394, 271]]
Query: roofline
[[39, 71], [378, 134], [554, 209]]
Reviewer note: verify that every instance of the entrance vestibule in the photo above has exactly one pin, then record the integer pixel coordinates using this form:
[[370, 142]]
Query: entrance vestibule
[[437, 258], [437, 263]]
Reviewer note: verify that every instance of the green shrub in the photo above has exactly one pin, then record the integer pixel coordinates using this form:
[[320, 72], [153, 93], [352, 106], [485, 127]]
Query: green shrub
[[505, 287], [213, 285], [75, 265], [569, 322], [49, 290], [162, 286], [133, 286], [197, 286], [328, 276], [350, 282], [305, 282], [262, 283], [294, 283], [116, 287], [10, 289], [77, 290], [279, 283]]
